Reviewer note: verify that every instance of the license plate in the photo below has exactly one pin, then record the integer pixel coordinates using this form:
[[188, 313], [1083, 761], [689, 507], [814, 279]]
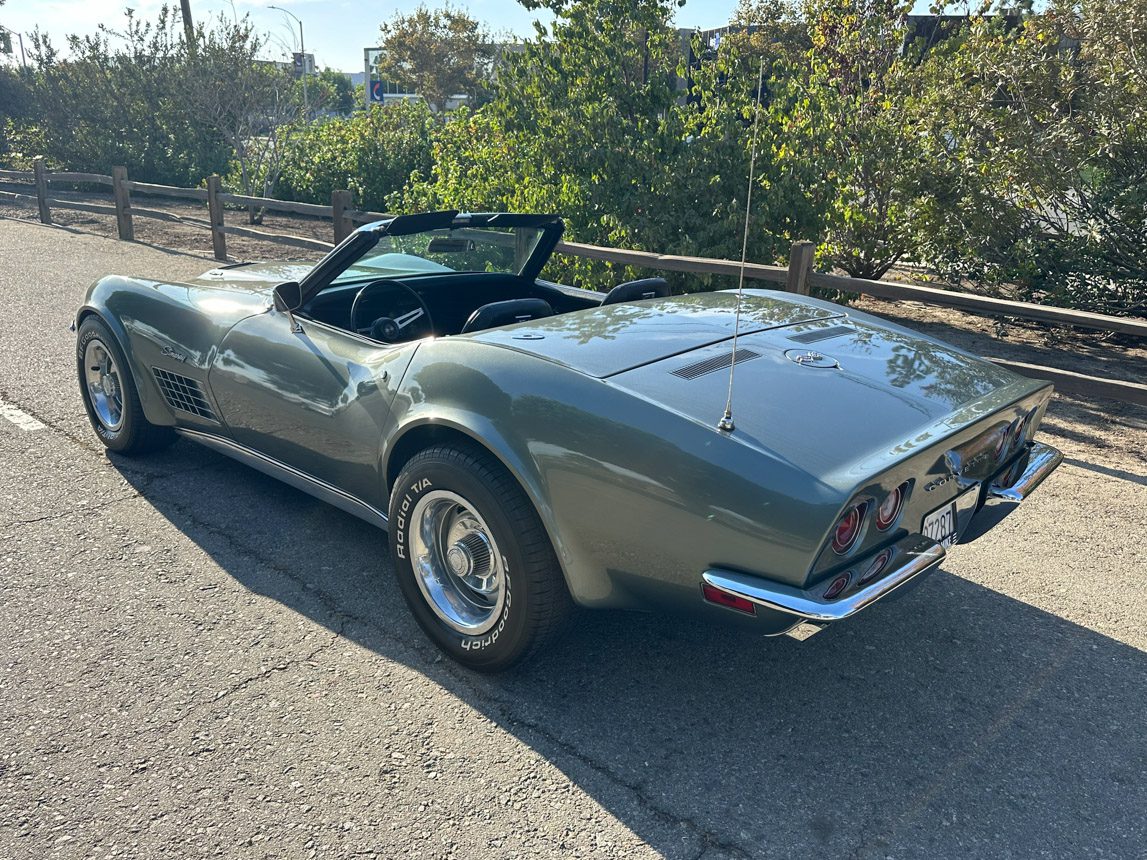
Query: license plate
[[940, 525]]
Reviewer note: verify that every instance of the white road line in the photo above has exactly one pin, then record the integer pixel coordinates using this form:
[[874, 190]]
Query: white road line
[[19, 417]]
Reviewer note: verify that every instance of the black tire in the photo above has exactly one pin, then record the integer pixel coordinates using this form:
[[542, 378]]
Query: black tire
[[536, 601], [133, 435]]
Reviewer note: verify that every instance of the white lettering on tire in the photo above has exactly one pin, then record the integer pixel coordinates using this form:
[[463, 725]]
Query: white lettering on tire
[[477, 643], [403, 510]]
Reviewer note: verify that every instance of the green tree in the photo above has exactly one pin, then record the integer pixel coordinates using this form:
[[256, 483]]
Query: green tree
[[338, 91], [1047, 113], [254, 107], [854, 119], [16, 106], [581, 123], [115, 99], [372, 153], [438, 53]]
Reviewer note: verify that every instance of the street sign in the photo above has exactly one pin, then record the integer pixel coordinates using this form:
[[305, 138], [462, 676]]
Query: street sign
[[304, 64]]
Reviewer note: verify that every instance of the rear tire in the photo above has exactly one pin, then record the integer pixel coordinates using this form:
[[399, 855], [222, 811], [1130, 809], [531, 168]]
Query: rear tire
[[110, 396], [473, 560]]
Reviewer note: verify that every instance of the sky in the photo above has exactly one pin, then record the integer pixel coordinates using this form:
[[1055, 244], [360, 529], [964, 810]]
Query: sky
[[335, 31]]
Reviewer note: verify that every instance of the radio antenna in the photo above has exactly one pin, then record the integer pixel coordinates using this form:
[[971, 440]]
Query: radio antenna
[[726, 423]]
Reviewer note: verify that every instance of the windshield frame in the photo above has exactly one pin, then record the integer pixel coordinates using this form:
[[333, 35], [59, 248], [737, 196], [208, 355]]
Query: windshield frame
[[365, 238]]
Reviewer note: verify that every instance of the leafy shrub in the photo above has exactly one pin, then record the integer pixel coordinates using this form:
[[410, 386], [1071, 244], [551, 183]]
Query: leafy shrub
[[372, 153]]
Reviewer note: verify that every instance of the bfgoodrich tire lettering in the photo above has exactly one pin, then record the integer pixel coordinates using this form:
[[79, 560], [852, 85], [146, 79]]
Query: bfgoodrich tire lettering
[[472, 558], [113, 408]]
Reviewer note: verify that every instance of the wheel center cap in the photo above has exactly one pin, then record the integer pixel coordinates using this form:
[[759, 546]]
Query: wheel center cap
[[459, 559], [109, 386]]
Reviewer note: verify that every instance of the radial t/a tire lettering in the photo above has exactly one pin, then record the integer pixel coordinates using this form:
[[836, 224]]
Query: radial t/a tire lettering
[[472, 558]]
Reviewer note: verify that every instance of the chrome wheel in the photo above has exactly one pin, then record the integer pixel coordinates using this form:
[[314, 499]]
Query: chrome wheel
[[456, 562], [104, 387]]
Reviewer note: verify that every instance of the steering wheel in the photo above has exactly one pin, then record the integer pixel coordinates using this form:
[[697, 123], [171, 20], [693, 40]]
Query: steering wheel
[[409, 317]]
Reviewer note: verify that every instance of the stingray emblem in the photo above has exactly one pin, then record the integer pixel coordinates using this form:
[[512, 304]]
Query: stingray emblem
[[168, 352]]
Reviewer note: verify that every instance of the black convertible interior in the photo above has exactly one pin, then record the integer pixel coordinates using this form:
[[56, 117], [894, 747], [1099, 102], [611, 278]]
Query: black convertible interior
[[396, 310], [447, 273]]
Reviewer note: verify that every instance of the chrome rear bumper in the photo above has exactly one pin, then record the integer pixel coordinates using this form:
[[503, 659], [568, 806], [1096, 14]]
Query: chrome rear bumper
[[1020, 479], [909, 557]]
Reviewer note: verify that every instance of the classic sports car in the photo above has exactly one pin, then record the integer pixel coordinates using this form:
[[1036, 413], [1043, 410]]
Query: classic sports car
[[531, 446]]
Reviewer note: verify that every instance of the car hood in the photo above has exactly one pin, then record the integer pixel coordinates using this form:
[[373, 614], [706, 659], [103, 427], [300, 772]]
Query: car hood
[[254, 277], [817, 385]]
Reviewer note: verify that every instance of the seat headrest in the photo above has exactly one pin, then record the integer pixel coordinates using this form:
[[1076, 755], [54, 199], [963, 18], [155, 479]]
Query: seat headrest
[[504, 313], [632, 291]]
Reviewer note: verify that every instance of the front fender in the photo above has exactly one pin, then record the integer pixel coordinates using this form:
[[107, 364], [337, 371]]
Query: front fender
[[175, 327], [102, 301]]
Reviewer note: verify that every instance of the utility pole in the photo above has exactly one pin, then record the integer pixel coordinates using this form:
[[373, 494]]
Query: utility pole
[[303, 52], [188, 24]]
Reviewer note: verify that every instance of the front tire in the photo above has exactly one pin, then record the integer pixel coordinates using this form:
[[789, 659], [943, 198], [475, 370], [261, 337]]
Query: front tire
[[110, 396], [473, 560]]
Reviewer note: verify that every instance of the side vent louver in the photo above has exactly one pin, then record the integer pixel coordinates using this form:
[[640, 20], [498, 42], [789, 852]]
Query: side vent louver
[[717, 362], [822, 333], [183, 394]]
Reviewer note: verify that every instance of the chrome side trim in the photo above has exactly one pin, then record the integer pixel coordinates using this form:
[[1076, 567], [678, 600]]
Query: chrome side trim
[[328, 493], [1019, 480], [911, 556]]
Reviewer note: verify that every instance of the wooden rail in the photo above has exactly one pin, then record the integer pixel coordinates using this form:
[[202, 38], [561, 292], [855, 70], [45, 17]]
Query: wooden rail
[[91, 178], [296, 241], [278, 205], [167, 190], [797, 276]]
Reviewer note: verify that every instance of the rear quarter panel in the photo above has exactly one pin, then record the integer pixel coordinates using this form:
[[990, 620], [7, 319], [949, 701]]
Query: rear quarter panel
[[637, 501]]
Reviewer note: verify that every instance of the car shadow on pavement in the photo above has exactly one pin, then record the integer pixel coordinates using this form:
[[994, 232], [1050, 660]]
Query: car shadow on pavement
[[955, 721]]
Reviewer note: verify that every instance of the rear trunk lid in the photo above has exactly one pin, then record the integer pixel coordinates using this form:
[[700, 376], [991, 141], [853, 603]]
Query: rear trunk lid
[[835, 393], [611, 339]]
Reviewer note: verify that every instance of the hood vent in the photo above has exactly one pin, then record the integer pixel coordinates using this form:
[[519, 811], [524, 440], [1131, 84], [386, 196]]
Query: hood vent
[[717, 362], [183, 394], [822, 333]]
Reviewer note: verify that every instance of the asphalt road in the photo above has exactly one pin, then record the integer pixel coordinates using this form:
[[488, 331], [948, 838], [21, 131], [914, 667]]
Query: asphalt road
[[197, 660]]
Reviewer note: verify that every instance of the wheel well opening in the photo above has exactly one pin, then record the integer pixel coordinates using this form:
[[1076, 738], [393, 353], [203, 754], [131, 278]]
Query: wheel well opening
[[84, 314], [419, 438]]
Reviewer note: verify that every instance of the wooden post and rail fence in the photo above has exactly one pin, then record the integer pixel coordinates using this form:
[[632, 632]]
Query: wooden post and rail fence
[[797, 277]]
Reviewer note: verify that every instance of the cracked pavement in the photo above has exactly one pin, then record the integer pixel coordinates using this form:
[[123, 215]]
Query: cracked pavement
[[197, 660]]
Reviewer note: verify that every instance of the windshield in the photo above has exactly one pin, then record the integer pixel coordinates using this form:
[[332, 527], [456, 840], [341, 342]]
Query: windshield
[[458, 249]]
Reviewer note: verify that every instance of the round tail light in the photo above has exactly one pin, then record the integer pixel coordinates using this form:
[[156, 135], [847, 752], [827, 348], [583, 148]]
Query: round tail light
[[889, 509], [837, 586], [847, 529], [877, 566]]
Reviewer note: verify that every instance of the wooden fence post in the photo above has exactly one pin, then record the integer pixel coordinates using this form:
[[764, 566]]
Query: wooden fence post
[[800, 264], [42, 189], [122, 204], [341, 201], [215, 214]]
